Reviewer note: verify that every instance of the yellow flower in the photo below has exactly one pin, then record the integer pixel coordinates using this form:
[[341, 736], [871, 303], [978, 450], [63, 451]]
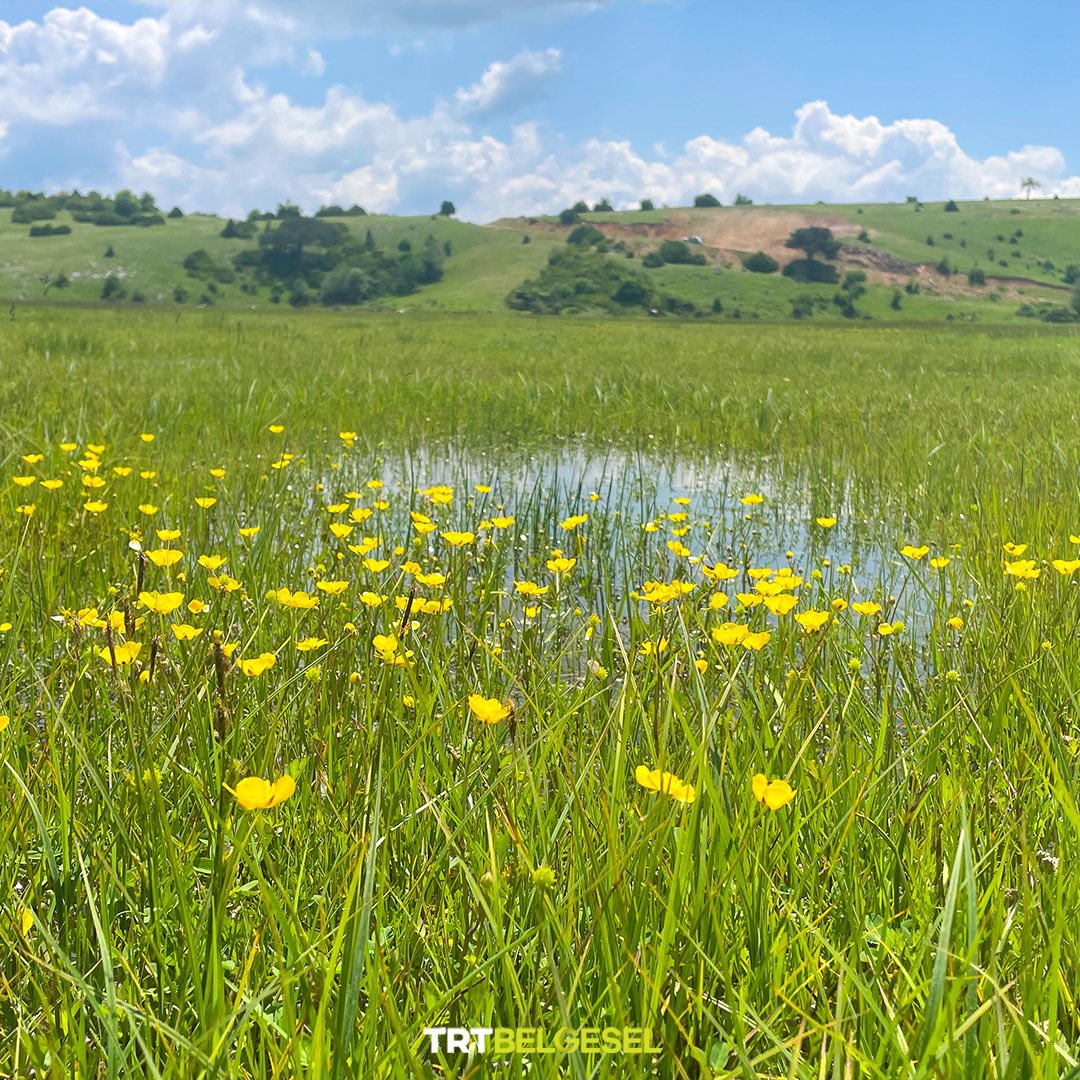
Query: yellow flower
[[1022, 568], [483, 489], [887, 629], [26, 920], [719, 572], [204, 502], [388, 650], [217, 474], [489, 710], [249, 531], [196, 607], [161, 603], [839, 604], [370, 599], [502, 522], [25, 481], [96, 507], [756, 641], [255, 793], [224, 582], [149, 509], [212, 562], [457, 539], [440, 494], [184, 632], [561, 565], [1015, 550], [955, 623], [52, 485], [276, 429], [782, 604], [748, 599], [773, 793], [33, 459], [432, 580], [752, 500], [826, 522], [812, 621], [310, 643], [939, 562], [530, 588], [257, 665], [124, 654], [669, 783], [571, 523], [4, 721], [730, 634], [1066, 566], [340, 529], [376, 566], [654, 648], [121, 470], [332, 588], [298, 599], [147, 437], [718, 600], [659, 593], [165, 557], [26, 509], [702, 666], [866, 607]]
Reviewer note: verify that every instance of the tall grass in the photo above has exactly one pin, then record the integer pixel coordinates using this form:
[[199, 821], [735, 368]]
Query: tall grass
[[911, 912]]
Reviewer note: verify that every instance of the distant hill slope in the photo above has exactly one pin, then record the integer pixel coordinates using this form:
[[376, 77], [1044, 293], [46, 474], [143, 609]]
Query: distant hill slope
[[1023, 248]]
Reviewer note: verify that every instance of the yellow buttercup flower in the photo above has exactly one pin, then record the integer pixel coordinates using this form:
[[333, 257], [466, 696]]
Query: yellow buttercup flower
[[561, 565], [255, 793], [782, 604], [911, 552], [668, 783], [165, 557], [457, 539], [298, 599], [489, 710], [812, 621], [571, 523], [753, 499], [866, 607], [1015, 550], [310, 643], [332, 588], [121, 654], [772, 793], [258, 665], [184, 632], [161, 603], [1022, 568], [826, 522]]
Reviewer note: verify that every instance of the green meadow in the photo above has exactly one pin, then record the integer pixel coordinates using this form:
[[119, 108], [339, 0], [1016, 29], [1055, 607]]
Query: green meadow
[[370, 673]]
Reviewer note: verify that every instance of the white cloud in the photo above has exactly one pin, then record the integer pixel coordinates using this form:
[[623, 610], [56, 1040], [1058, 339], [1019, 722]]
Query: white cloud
[[176, 97], [506, 84], [330, 17]]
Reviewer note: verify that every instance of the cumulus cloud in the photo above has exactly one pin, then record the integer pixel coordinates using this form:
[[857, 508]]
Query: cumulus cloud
[[175, 95], [507, 84], [328, 17]]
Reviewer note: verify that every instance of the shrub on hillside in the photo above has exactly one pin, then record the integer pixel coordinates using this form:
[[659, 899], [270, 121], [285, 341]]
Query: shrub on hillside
[[584, 236], [678, 253], [651, 260], [706, 201], [810, 271], [760, 263]]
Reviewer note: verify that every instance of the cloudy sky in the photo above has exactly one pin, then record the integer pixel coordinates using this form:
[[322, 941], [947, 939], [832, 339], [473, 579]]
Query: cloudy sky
[[524, 106]]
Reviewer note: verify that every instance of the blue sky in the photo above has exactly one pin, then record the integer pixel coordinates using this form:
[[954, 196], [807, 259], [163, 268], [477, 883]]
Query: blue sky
[[523, 107]]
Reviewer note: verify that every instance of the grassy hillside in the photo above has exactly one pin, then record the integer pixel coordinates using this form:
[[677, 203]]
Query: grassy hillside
[[1023, 247]]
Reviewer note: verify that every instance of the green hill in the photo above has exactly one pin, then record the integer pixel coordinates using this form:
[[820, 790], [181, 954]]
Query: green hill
[[1024, 259]]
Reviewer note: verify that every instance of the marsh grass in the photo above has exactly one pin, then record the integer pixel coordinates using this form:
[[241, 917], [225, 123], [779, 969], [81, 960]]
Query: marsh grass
[[911, 913]]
